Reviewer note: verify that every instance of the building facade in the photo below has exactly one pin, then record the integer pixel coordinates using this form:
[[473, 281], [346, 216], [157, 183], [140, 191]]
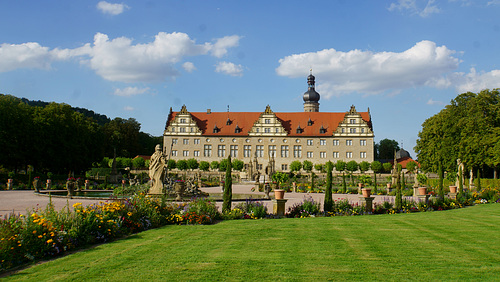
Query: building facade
[[271, 138]]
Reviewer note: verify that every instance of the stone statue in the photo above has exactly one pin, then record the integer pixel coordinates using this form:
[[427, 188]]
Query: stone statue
[[460, 171], [157, 170]]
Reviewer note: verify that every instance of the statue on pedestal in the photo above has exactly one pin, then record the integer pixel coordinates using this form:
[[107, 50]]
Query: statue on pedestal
[[157, 170]]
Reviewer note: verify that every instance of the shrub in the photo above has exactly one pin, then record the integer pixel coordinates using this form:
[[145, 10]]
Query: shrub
[[306, 208], [253, 208]]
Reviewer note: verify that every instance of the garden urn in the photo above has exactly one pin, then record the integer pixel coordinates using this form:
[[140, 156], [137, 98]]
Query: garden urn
[[422, 190], [366, 192], [453, 189], [179, 188], [279, 194]]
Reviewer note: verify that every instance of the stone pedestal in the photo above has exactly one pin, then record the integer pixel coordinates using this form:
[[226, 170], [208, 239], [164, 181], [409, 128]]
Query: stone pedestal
[[415, 192], [424, 198], [452, 196], [48, 186], [368, 201], [87, 185], [279, 207]]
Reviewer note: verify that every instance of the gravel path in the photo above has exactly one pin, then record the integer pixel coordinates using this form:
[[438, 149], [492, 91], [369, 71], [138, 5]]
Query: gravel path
[[22, 202]]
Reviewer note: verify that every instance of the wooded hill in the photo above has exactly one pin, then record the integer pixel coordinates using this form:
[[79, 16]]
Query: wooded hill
[[59, 138]]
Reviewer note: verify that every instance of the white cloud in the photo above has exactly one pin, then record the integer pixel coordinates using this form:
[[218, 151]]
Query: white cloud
[[340, 72], [432, 102], [128, 108], [221, 45], [414, 7], [229, 68], [119, 59], [493, 2], [130, 91], [188, 66], [474, 81], [110, 8]]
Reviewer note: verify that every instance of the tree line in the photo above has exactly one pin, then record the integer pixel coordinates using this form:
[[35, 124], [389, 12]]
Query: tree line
[[58, 138], [467, 129]]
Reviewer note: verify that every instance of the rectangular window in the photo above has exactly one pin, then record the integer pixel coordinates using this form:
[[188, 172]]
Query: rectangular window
[[348, 155], [267, 121], [322, 155], [234, 151], [336, 155], [267, 130], [309, 155], [257, 130], [185, 153], [196, 153], [362, 155], [362, 130], [174, 153], [247, 151], [174, 141], [185, 141], [183, 120], [277, 130], [310, 142], [362, 142], [352, 130], [348, 142], [284, 151], [352, 121], [322, 142], [272, 151], [196, 141], [284, 167], [297, 151], [207, 150], [259, 166], [182, 129], [336, 142], [259, 150], [221, 151]]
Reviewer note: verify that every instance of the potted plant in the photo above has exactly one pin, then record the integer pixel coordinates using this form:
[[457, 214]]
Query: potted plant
[[279, 178], [363, 181], [422, 180], [452, 177]]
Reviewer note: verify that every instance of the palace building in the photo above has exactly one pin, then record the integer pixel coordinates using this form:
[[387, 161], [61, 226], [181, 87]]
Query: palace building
[[262, 139]]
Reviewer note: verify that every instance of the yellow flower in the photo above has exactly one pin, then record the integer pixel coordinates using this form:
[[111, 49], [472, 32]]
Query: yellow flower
[[40, 236], [76, 205], [129, 214], [34, 231], [50, 241]]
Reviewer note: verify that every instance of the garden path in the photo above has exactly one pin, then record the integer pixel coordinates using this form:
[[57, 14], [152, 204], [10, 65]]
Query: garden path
[[23, 201]]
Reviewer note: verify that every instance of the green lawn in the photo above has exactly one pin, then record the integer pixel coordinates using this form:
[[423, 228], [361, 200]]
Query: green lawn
[[455, 245]]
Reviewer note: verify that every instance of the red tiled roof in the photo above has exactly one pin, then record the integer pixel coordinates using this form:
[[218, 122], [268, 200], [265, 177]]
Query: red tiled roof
[[290, 121], [404, 160], [142, 156]]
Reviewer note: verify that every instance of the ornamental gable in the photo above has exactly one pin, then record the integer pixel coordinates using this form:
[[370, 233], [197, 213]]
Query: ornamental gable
[[355, 125], [267, 124], [182, 123]]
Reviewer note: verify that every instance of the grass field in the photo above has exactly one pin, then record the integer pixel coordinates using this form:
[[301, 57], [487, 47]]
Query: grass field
[[460, 244]]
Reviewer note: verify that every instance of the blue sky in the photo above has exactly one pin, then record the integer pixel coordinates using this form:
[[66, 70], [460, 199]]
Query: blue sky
[[404, 59]]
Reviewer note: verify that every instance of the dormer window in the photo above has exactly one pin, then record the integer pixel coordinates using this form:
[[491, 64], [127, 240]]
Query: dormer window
[[216, 130], [299, 130], [228, 122], [322, 130], [237, 129], [309, 122]]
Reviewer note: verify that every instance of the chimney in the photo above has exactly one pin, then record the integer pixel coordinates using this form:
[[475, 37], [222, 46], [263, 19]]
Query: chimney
[[209, 111]]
